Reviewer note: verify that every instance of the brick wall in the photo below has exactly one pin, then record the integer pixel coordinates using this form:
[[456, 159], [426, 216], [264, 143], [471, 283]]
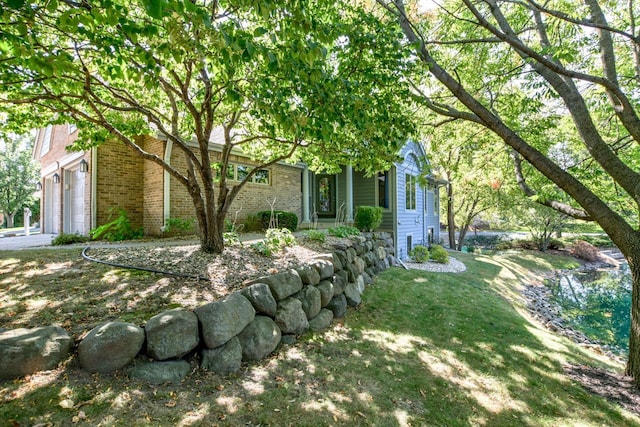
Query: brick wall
[[119, 184], [153, 194]]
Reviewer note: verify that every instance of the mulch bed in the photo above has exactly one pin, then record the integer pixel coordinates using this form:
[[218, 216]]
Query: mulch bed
[[616, 388]]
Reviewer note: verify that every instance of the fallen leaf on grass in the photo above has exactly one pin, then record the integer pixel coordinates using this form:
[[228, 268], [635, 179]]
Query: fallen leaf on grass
[[67, 404]]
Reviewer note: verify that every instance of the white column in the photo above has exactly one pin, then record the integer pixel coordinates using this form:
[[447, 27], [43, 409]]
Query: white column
[[349, 173], [305, 195], [166, 196]]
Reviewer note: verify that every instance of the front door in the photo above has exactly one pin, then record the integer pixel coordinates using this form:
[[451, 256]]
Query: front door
[[325, 198]]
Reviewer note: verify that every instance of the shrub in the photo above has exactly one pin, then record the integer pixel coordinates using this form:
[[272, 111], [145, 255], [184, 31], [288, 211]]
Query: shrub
[[117, 230], [283, 219], [344, 231], [439, 254], [585, 251], [231, 238], [601, 241], [252, 223], [419, 254], [368, 218], [175, 226], [316, 236], [275, 239], [68, 239]]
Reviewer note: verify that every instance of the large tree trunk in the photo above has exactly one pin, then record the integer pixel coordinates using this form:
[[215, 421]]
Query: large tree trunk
[[451, 217], [633, 361], [10, 219]]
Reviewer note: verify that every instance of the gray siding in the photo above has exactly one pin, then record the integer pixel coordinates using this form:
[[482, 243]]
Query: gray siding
[[411, 222]]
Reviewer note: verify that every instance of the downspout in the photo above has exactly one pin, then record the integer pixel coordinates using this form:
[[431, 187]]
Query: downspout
[[349, 176], [94, 187], [305, 196]]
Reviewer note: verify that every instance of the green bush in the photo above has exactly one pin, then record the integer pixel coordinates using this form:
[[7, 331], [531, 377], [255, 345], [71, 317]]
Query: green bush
[[178, 226], [343, 231], [316, 236], [439, 254], [68, 239], [231, 238], [118, 229], [283, 219], [275, 240], [252, 223], [368, 218], [419, 254]]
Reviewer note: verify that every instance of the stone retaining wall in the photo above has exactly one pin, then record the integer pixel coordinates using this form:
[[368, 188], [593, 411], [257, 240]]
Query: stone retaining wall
[[244, 326]]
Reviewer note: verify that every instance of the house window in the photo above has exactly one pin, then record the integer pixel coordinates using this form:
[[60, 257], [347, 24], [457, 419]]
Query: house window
[[410, 192], [383, 189], [46, 141], [71, 128], [237, 172]]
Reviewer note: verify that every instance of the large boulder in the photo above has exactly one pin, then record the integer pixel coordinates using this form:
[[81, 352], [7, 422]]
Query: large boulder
[[332, 258], [352, 293], [224, 319], [25, 351], [172, 371], [340, 280], [110, 346], [261, 298], [223, 360], [324, 267], [290, 318], [283, 284], [322, 321], [172, 334], [338, 306], [326, 292], [311, 300], [308, 274], [259, 339]]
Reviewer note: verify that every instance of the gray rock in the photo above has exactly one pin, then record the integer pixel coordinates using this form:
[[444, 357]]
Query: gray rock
[[290, 318], [224, 319], [325, 268], [311, 301], [283, 284], [288, 339], [341, 255], [352, 294], [338, 306], [353, 272], [370, 258], [322, 321], [110, 346], [332, 258], [351, 254], [360, 283], [172, 334], [224, 359], [339, 282], [308, 274], [262, 299], [367, 278], [157, 373], [25, 351], [381, 252], [360, 264], [326, 292], [259, 339]]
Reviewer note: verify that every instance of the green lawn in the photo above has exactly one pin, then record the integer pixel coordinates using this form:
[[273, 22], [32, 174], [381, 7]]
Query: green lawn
[[423, 349]]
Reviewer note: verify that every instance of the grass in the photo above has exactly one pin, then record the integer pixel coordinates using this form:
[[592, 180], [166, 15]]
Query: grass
[[422, 349]]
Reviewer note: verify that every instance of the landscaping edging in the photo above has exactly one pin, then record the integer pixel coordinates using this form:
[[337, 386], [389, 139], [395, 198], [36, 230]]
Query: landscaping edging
[[245, 326]]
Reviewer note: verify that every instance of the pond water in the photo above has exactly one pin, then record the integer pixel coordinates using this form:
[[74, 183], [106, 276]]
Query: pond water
[[597, 303]]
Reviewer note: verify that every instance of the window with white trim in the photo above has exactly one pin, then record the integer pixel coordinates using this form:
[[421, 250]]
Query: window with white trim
[[238, 172], [410, 192], [46, 141]]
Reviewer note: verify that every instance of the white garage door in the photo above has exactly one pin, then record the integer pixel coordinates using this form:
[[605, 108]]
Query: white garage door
[[74, 202]]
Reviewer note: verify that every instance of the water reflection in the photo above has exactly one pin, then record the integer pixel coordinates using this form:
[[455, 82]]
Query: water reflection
[[597, 303]]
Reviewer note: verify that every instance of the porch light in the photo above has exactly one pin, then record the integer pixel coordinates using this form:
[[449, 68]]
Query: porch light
[[56, 178], [84, 166], [38, 186]]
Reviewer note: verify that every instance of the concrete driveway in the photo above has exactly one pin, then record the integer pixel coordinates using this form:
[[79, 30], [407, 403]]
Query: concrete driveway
[[15, 243]]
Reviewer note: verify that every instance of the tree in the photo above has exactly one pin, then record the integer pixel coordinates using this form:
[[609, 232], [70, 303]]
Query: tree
[[284, 80], [581, 59], [18, 175]]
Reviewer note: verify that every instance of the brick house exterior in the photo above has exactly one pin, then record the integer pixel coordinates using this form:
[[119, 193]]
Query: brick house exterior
[[74, 201]]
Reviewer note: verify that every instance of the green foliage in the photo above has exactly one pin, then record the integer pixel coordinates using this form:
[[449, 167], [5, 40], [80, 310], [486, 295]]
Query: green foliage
[[252, 223], [18, 174], [118, 229], [599, 240], [316, 236], [343, 231], [281, 219], [419, 254], [368, 218], [179, 226], [274, 241], [439, 254], [231, 238], [69, 239]]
